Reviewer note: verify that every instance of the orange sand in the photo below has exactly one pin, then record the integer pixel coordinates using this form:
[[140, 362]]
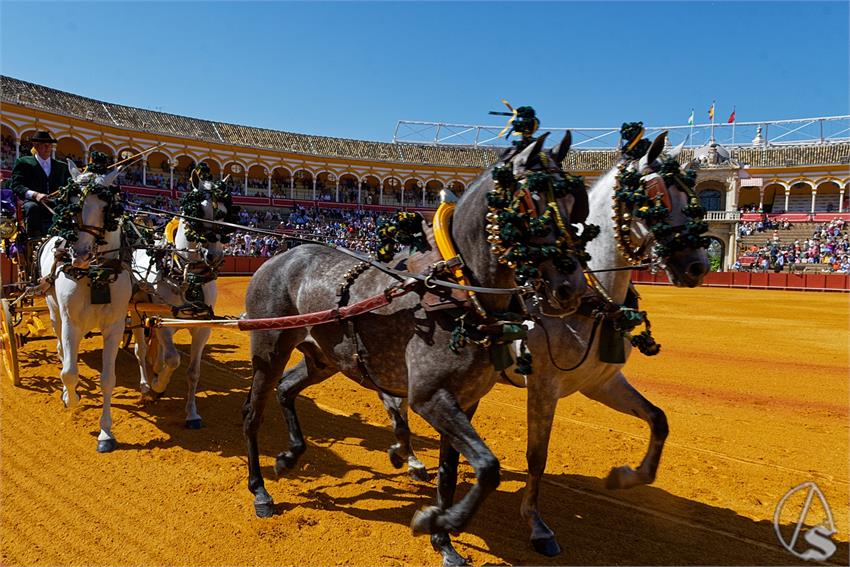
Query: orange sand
[[754, 383]]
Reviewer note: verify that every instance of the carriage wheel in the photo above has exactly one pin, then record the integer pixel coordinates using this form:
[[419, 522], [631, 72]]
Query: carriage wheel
[[8, 344]]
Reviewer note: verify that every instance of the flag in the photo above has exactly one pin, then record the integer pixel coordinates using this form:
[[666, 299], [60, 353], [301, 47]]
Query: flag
[[691, 118], [711, 112], [731, 117]]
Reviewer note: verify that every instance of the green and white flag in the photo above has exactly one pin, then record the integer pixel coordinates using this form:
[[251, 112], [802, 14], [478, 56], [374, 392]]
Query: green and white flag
[[691, 118]]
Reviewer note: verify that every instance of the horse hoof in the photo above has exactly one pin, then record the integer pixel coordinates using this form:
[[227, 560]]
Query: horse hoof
[[194, 423], [622, 477], [284, 462], [452, 558], [546, 546], [419, 473], [424, 520], [106, 445], [264, 508], [151, 396], [396, 461]]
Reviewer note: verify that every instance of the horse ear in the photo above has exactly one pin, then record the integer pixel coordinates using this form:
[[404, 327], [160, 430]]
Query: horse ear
[[674, 153], [72, 169], [529, 155], [560, 151], [111, 176], [656, 148]]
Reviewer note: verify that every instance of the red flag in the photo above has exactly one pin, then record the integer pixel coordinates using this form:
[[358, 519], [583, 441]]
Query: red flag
[[731, 117]]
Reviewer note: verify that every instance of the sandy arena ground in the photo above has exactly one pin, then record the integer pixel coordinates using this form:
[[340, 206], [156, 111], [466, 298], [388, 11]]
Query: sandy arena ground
[[754, 383]]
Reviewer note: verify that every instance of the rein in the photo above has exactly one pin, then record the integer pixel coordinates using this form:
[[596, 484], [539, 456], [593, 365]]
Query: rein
[[399, 274]]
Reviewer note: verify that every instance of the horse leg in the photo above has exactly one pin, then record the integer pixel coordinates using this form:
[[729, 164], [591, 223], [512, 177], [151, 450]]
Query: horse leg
[[446, 486], [268, 357], [618, 394], [311, 370], [70, 373], [541, 405], [112, 337], [193, 374], [402, 450], [167, 362], [141, 350], [442, 411]]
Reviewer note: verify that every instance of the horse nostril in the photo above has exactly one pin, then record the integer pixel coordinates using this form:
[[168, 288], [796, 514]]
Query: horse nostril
[[696, 269], [563, 292]]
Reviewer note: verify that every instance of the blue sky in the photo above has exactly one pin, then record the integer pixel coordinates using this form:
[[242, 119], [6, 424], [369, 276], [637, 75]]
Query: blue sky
[[353, 69]]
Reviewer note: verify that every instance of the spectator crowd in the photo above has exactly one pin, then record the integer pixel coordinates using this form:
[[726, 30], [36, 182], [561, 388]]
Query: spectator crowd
[[828, 246]]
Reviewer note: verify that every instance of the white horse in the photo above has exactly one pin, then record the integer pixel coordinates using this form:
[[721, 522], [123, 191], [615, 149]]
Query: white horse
[[67, 266], [564, 362], [185, 278]]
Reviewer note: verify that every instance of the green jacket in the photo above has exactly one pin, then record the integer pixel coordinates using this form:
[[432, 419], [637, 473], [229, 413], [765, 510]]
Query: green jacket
[[27, 175]]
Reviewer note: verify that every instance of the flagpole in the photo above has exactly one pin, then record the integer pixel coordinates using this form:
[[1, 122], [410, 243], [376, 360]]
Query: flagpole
[[733, 125], [691, 122], [713, 112]]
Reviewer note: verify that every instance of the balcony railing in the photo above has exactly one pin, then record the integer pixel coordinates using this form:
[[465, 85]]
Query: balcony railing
[[723, 216]]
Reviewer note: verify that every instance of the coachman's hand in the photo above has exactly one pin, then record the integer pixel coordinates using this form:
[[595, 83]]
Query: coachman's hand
[[41, 197]]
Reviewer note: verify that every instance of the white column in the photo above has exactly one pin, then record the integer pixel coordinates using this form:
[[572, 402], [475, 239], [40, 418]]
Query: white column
[[814, 196], [245, 184], [314, 188], [171, 177], [270, 185], [292, 187], [841, 201], [360, 190], [761, 198], [787, 195], [381, 195], [402, 196], [145, 171], [17, 149]]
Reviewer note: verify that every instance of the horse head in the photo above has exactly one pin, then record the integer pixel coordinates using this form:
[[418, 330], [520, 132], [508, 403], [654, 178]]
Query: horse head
[[198, 243], [658, 209], [88, 215], [533, 209]]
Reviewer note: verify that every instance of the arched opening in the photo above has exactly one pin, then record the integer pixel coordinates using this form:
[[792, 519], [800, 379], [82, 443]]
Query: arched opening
[[258, 181], [711, 200], [326, 186], [827, 197], [456, 187], [71, 148], [774, 198], [157, 170], [104, 149], [348, 188], [800, 198], [234, 175], [392, 191], [432, 192], [370, 190], [182, 170], [281, 181], [26, 145], [8, 142], [215, 167], [131, 173], [748, 199], [303, 180], [413, 193], [716, 252]]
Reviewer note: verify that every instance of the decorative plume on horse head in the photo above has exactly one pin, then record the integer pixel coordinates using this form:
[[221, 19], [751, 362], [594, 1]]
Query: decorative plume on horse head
[[95, 179], [216, 194]]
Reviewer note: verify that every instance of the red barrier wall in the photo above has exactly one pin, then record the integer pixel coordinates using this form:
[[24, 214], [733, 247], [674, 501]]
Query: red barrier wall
[[759, 280]]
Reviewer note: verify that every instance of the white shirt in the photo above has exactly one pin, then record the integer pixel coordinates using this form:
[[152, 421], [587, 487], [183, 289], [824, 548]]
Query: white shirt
[[45, 164]]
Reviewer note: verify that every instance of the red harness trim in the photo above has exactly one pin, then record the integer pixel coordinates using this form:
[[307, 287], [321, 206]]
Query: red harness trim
[[327, 316]]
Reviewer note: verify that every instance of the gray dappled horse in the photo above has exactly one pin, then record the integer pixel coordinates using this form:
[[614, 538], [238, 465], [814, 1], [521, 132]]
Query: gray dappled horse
[[400, 349], [558, 344]]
